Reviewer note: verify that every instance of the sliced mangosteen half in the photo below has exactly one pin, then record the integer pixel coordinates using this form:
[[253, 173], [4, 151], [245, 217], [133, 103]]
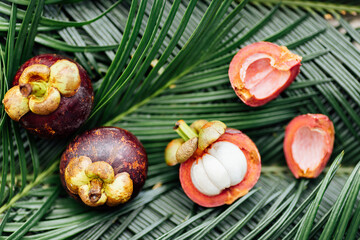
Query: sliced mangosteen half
[[260, 71], [308, 144], [218, 164]]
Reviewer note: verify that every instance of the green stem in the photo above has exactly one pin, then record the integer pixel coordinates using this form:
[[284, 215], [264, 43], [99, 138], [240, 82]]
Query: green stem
[[28, 187], [37, 88], [95, 190], [184, 130]]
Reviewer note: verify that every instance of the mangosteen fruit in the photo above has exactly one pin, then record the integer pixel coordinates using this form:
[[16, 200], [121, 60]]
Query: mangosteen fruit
[[51, 96], [218, 164], [105, 166]]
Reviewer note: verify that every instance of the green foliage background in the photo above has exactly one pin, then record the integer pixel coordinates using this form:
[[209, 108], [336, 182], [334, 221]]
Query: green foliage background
[[154, 62]]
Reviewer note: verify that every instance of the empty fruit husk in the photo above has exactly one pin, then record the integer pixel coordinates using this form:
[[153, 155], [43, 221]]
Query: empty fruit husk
[[308, 144], [260, 71]]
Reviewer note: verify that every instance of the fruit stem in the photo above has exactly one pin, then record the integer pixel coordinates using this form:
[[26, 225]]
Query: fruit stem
[[184, 130], [37, 88], [95, 190]]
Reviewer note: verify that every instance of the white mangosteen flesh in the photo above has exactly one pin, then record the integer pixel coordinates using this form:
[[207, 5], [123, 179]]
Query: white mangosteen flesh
[[224, 165]]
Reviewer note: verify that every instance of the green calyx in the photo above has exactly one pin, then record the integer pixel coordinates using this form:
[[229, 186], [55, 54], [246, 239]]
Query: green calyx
[[36, 88], [199, 135], [184, 130]]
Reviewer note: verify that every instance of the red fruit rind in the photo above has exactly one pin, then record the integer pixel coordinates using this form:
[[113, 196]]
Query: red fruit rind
[[316, 122], [229, 195], [274, 70]]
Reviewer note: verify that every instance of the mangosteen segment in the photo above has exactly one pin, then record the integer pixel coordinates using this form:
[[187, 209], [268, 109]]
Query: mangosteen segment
[[201, 180], [223, 166], [232, 158], [96, 184], [260, 71]]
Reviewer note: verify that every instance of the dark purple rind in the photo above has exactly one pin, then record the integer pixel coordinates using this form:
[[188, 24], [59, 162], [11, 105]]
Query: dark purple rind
[[72, 112], [118, 147]]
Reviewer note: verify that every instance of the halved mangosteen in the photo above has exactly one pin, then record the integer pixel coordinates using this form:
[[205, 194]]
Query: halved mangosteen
[[308, 144], [260, 71], [218, 164]]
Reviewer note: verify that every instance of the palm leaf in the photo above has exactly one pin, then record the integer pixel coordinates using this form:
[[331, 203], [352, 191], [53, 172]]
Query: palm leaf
[[171, 62]]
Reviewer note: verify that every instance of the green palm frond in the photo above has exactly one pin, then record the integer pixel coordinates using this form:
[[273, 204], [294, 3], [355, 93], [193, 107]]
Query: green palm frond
[[153, 62], [319, 5]]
